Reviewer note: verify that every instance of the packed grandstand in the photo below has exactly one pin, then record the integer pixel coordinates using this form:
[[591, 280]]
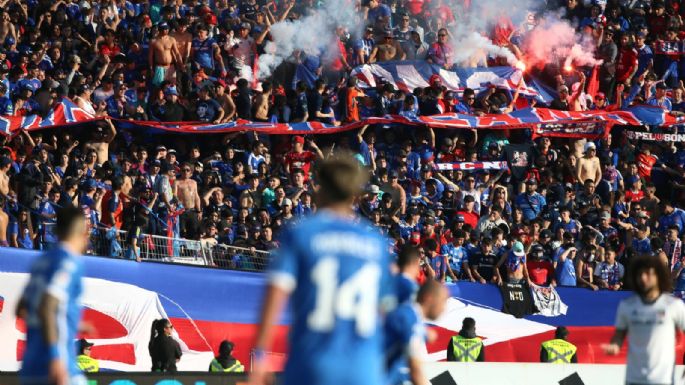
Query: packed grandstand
[[189, 128]]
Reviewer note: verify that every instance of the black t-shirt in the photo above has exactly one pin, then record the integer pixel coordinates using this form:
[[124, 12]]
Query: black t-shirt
[[520, 159], [314, 104], [516, 300], [207, 110], [558, 104], [170, 112], [484, 264], [243, 104], [248, 10], [301, 107]]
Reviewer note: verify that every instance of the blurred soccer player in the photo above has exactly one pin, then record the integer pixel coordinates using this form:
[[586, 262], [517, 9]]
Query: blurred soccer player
[[405, 334], [50, 306], [649, 319], [330, 267], [408, 260]]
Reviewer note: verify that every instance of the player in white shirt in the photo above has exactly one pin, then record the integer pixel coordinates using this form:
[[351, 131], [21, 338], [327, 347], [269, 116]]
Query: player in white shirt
[[649, 319]]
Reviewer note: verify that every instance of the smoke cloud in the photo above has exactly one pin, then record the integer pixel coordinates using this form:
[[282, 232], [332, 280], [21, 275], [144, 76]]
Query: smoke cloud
[[313, 34], [555, 40]]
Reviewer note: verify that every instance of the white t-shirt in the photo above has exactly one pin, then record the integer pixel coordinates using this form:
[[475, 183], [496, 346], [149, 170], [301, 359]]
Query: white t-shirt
[[651, 337]]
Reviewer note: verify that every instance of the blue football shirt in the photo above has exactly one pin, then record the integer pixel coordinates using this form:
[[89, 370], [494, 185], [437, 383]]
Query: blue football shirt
[[405, 335], [337, 271], [57, 273], [406, 288]]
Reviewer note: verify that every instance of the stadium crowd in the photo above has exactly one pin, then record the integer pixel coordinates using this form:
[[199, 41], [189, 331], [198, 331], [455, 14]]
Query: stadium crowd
[[572, 212]]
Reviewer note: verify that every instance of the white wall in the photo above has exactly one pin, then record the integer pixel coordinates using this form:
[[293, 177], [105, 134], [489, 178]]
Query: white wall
[[495, 373]]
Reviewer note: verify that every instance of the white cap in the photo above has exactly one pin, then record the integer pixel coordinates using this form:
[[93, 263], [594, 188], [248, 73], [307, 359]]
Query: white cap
[[590, 145]]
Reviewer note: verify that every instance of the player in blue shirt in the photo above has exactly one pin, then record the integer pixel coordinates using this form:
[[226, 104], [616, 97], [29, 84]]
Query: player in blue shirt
[[51, 309], [408, 263], [405, 334], [332, 270]]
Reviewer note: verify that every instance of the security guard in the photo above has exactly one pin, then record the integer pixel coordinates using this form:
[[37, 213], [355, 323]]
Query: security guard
[[84, 361], [558, 350], [225, 362], [466, 346]]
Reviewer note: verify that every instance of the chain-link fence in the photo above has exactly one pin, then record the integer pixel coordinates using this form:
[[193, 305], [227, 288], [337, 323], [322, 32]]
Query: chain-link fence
[[116, 244]]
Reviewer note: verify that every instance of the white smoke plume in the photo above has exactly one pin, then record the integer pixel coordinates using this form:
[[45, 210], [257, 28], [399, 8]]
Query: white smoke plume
[[468, 34], [470, 50], [555, 40], [313, 34]]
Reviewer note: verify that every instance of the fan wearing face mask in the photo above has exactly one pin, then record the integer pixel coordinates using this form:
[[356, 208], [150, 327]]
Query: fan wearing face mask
[[585, 268]]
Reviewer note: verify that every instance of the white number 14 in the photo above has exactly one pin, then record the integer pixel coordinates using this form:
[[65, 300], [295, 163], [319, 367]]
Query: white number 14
[[354, 299]]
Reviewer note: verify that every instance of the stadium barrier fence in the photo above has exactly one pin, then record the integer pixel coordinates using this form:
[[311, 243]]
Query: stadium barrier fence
[[114, 243]]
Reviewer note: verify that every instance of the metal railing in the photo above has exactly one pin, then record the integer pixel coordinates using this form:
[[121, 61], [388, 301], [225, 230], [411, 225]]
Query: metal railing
[[114, 243]]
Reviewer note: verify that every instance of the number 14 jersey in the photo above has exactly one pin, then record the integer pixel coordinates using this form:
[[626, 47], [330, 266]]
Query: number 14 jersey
[[338, 274]]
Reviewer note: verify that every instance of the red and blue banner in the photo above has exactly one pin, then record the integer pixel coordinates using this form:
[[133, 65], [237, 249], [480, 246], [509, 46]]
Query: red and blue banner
[[542, 122], [408, 75]]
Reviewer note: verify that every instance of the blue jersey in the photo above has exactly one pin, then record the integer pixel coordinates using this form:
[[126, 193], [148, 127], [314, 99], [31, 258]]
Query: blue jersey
[[531, 204], [456, 255], [677, 218], [406, 288], [204, 52], [642, 246], [337, 272], [565, 272], [57, 273], [405, 334]]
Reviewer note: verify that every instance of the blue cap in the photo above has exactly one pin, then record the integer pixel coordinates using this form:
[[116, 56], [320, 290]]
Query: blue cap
[[28, 86], [171, 91], [163, 25], [90, 183], [10, 41]]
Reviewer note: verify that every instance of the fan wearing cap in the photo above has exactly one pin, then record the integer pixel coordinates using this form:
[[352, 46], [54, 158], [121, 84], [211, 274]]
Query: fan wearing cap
[[243, 47], [468, 211], [84, 360], [163, 54], [119, 105], [206, 52], [530, 201], [169, 109], [515, 262], [589, 167], [660, 99], [299, 158]]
